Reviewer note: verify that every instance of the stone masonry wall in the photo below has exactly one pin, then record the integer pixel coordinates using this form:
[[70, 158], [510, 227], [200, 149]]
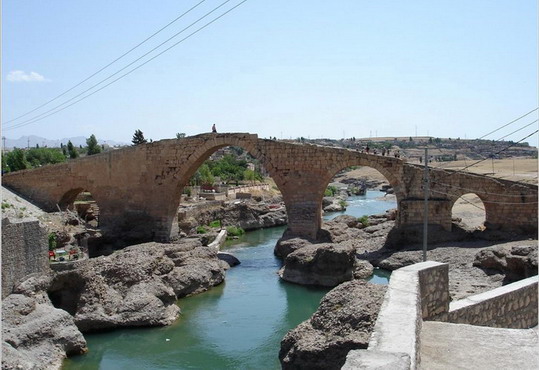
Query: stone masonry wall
[[510, 306], [24, 251], [138, 188], [434, 290]]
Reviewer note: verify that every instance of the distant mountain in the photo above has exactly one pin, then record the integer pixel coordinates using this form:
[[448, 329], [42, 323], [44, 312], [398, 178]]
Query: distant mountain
[[32, 140]]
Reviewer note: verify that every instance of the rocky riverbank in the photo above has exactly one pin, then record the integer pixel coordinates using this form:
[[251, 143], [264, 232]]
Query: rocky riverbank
[[137, 286], [343, 322], [248, 214], [476, 264]]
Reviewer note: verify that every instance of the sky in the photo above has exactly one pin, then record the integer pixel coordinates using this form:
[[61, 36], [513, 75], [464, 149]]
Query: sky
[[280, 68]]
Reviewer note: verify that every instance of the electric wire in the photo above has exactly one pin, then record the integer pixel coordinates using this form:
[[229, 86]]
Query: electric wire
[[478, 191], [56, 110], [522, 128], [507, 124], [109, 64], [484, 201], [498, 152]]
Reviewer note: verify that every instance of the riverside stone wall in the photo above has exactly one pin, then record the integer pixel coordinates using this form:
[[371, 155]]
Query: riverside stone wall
[[510, 306], [421, 292], [24, 252]]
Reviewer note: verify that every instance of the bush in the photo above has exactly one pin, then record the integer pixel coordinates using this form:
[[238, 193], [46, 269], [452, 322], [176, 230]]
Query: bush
[[235, 231], [343, 204], [202, 229], [5, 205], [215, 224], [52, 241], [364, 220], [330, 191]]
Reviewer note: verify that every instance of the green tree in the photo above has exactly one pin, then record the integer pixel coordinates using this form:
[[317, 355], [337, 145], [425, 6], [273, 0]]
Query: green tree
[[71, 150], [206, 177], [180, 135], [42, 156], [138, 138], [249, 175], [16, 160], [93, 147]]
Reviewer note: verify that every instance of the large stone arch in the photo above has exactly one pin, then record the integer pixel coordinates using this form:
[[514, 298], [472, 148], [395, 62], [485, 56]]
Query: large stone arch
[[198, 157]]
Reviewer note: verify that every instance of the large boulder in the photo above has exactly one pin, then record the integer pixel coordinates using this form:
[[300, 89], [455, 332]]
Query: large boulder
[[136, 286], [253, 215], [319, 264], [35, 334], [286, 245], [516, 263], [344, 321]]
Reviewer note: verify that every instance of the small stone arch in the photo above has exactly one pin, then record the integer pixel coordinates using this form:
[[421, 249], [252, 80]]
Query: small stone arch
[[88, 209], [469, 211], [377, 163]]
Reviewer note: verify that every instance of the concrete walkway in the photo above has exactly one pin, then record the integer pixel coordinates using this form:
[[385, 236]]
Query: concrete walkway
[[459, 346]]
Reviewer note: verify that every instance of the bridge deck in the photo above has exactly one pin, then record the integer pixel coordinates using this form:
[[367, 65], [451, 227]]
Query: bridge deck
[[459, 346]]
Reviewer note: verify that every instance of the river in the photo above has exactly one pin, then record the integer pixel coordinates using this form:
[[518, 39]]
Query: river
[[237, 325]]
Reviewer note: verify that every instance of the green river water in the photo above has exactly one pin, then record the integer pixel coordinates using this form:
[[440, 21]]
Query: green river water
[[237, 325]]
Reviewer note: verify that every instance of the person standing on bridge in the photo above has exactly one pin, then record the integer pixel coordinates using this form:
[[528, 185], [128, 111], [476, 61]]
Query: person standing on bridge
[[214, 129]]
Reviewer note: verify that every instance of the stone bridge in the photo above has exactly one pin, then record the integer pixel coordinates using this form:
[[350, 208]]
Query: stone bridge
[[138, 188]]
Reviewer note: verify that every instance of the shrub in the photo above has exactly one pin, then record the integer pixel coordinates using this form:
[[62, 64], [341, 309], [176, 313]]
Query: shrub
[[215, 224], [202, 229], [343, 204], [235, 231], [52, 241], [5, 205], [330, 191], [364, 220]]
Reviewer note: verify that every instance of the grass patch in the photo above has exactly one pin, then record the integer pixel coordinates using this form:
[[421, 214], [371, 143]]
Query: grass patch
[[215, 224], [235, 231], [202, 229], [364, 220]]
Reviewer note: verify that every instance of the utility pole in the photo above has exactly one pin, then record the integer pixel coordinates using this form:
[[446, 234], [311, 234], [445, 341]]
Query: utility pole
[[28, 144], [426, 204], [4, 146]]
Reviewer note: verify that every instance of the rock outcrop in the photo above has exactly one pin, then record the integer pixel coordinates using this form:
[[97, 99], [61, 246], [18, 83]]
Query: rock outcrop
[[334, 204], [343, 321], [319, 264], [136, 286], [247, 214], [516, 263], [35, 334]]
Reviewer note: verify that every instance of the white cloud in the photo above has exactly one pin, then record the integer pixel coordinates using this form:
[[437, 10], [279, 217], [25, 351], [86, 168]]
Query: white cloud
[[18, 76]]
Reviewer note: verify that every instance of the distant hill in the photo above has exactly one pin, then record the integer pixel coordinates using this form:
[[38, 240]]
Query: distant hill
[[32, 140]]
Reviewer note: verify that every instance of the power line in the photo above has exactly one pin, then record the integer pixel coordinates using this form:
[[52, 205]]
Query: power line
[[45, 115], [482, 200], [498, 152], [108, 65], [478, 191], [507, 124], [522, 128]]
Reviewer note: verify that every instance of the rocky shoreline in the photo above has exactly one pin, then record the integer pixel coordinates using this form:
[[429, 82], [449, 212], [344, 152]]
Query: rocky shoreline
[[45, 316], [139, 285]]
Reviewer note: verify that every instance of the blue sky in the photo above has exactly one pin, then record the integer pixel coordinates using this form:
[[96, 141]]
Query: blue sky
[[279, 68]]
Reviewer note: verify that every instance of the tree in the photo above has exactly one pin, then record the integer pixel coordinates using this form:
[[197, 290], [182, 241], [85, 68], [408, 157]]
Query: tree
[[180, 135], [16, 160], [93, 148], [206, 176], [71, 150], [138, 138]]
